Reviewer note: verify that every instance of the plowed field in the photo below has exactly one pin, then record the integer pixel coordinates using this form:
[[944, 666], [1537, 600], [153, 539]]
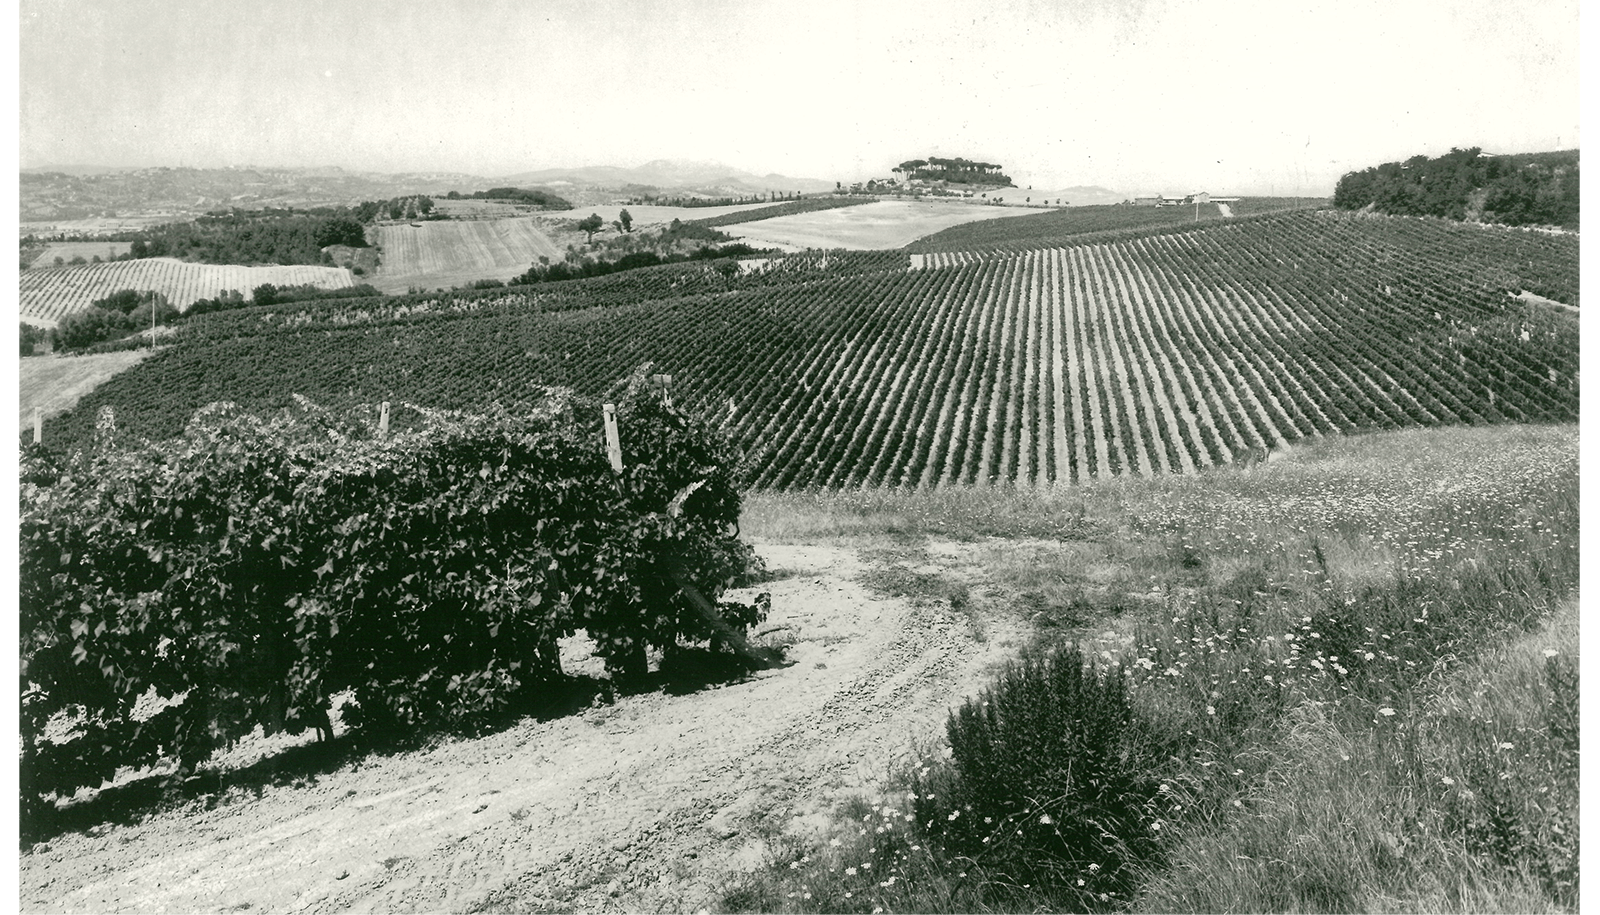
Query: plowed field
[[445, 253]]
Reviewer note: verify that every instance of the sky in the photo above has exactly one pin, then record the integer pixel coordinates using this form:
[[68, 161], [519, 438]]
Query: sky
[[1139, 96]]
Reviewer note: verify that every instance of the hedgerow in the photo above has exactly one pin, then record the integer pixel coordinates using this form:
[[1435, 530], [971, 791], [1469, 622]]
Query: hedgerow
[[177, 594]]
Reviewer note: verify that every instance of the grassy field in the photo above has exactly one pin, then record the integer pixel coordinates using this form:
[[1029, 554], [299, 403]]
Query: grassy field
[[442, 254], [1351, 683], [53, 384], [885, 224], [88, 250]]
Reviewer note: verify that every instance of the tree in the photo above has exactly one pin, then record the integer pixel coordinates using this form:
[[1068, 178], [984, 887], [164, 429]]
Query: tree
[[591, 225], [626, 219]]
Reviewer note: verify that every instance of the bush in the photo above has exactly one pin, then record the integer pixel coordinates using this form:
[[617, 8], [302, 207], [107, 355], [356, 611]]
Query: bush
[[1046, 783], [253, 567]]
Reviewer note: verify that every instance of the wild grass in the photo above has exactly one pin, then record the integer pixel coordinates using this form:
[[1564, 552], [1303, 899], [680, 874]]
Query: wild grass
[[1350, 678]]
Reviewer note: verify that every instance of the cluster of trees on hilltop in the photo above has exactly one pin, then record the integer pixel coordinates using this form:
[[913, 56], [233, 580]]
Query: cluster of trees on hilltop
[[515, 195], [248, 239], [1465, 184], [955, 171], [416, 206]]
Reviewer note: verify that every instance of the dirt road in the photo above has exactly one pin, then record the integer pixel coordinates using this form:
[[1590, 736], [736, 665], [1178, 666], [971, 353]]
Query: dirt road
[[645, 805]]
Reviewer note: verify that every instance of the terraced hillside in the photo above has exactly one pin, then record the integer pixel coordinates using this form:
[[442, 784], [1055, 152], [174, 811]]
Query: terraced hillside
[[50, 293], [1168, 351]]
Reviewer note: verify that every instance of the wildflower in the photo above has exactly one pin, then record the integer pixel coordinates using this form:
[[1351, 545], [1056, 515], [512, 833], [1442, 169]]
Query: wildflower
[[834, 842], [1550, 652], [1386, 712], [1045, 820], [1211, 710], [1448, 780], [794, 865], [1506, 746], [849, 872], [953, 815]]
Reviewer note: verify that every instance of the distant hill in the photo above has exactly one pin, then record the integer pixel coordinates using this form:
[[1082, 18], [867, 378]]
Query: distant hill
[[711, 178], [86, 191], [73, 192]]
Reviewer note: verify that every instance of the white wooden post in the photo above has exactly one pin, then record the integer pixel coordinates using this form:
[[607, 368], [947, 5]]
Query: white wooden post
[[38, 426], [613, 440], [383, 420], [666, 389]]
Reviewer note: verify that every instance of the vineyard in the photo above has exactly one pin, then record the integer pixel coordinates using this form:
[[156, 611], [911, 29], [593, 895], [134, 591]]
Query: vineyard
[[1162, 352], [447, 253], [48, 295]]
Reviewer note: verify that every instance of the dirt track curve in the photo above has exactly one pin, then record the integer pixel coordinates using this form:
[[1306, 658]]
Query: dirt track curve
[[645, 805]]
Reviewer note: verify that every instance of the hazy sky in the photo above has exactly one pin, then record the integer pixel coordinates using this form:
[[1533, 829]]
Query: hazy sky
[[1136, 95]]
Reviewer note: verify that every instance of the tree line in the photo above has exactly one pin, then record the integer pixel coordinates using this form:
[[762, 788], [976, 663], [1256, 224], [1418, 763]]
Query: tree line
[[1465, 184], [955, 171], [516, 195]]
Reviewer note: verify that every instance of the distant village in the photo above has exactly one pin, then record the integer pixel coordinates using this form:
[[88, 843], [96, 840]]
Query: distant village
[[1162, 200]]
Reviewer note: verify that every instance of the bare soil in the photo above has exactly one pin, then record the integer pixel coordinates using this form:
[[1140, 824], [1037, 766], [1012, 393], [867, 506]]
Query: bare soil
[[648, 804]]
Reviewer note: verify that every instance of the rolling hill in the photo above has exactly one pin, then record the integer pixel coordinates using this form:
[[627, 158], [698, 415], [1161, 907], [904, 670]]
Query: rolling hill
[[1169, 350]]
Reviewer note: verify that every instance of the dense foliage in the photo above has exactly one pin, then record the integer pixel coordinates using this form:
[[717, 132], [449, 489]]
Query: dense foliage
[[234, 238], [521, 195], [31, 337], [1465, 184], [653, 199], [586, 267], [112, 317], [953, 171], [1047, 775], [177, 594], [417, 206], [269, 294]]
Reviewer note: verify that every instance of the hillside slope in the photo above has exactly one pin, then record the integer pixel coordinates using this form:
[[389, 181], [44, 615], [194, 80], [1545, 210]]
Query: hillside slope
[[1167, 352]]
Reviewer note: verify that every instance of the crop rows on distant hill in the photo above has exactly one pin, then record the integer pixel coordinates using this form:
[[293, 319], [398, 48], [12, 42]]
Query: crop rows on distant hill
[[1165, 353], [1051, 226], [789, 208], [48, 295], [450, 248]]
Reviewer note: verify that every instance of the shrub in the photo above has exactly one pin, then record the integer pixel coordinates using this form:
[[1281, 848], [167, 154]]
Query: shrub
[[1046, 782]]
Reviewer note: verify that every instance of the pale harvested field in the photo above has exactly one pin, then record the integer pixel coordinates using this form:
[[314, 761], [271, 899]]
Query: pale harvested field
[[447, 253], [649, 215], [54, 384], [48, 295], [885, 224], [88, 250]]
